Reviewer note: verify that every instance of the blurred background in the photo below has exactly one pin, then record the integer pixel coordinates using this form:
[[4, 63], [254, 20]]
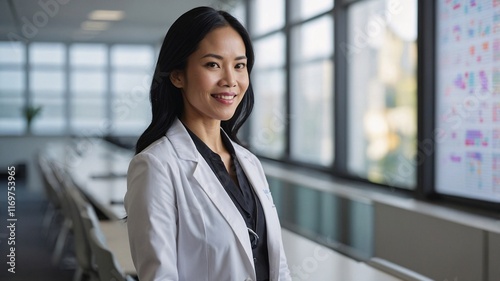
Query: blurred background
[[377, 122]]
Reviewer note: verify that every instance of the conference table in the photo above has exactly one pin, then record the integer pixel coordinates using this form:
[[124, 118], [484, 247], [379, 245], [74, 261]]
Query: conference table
[[98, 168]]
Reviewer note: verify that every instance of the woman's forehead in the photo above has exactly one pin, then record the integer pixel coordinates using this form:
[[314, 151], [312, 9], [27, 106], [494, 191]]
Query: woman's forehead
[[224, 41]]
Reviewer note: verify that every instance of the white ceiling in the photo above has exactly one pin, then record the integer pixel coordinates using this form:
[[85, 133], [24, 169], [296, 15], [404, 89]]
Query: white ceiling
[[145, 21]]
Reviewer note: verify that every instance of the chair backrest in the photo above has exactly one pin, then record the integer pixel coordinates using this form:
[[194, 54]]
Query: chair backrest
[[89, 219], [50, 183], [65, 184], [77, 204], [107, 266]]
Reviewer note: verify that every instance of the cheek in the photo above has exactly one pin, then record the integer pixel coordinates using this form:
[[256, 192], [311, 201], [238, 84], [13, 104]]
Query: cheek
[[244, 82], [205, 81], [198, 79]]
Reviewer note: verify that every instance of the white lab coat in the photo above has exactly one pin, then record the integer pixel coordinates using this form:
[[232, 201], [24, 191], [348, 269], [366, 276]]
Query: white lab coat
[[182, 225]]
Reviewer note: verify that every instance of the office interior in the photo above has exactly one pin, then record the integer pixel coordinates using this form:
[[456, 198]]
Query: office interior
[[377, 123]]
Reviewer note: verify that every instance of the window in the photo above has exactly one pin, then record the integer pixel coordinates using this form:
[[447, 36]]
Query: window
[[294, 85], [293, 80], [269, 114], [269, 118], [382, 59], [132, 72], [238, 10], [304, 9], [267, 16], [47, 86], [88, 88], [81, 88], [12, 87], [312, 92]]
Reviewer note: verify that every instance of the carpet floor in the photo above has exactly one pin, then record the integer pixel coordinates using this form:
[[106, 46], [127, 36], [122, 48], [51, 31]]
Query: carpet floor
[[33, 250]]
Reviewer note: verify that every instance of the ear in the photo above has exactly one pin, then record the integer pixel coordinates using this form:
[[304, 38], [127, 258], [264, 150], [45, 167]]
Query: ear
[[177, 78]]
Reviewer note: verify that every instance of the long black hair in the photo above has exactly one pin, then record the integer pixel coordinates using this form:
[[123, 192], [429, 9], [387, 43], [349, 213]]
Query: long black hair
[[181, 41]]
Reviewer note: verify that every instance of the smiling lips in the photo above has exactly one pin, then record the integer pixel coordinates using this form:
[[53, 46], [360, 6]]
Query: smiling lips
[[225, 98]]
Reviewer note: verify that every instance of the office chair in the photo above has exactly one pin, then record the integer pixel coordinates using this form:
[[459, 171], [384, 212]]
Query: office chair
[[53, 193], [67, 225], [83, 254], [107, 265]]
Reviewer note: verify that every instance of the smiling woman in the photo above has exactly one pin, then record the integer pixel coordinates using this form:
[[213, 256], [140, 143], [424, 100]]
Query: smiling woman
[[181, 41], [215, 79], [198, 203]]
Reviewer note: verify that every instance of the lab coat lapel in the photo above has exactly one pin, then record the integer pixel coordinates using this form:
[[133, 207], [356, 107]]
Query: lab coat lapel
[[217, 194], [210, 184], [261, 188]]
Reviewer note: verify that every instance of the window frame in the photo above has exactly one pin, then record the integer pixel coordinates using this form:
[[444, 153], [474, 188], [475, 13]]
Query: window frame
[[289, 25], [106, 125], [22, 67], [425, 107]]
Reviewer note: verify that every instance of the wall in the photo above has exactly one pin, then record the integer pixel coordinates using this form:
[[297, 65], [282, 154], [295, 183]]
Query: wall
[[445, 248], [494, 256], [16, 150]]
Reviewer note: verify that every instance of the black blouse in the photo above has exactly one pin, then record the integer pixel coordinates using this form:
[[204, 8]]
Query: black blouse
[[243, 197]]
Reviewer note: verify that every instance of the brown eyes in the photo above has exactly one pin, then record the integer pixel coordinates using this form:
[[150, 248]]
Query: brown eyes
[[212, 65], [240, 66], [216, 65]]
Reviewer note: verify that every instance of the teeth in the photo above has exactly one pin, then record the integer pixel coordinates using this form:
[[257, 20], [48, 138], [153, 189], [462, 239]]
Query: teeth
[[224, 97]]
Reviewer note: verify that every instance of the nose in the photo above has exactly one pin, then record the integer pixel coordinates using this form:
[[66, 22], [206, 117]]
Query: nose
[[228, 79]]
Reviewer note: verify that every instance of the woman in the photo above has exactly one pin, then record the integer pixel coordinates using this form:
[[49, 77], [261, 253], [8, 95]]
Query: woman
[[198, 204]]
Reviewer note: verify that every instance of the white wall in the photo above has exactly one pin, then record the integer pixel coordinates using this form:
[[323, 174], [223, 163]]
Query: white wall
[[24, 149]]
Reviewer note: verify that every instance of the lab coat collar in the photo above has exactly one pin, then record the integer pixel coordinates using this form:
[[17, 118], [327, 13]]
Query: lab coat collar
[[182, 142]]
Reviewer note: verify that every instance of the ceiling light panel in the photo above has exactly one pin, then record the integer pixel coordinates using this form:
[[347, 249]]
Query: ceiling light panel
[[95, 25], [110, 15]]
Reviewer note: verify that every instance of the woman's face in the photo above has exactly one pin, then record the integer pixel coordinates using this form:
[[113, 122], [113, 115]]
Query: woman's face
[[216, 77]]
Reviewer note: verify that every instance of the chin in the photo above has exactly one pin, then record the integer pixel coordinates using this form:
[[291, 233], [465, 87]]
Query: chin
[[226, 119], [225, 116]]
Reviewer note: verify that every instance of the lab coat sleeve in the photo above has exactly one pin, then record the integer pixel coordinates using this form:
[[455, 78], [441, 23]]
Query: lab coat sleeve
[[152, 219]]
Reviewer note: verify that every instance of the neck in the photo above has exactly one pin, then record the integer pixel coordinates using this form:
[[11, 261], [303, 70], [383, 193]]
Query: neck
[[207, 131]]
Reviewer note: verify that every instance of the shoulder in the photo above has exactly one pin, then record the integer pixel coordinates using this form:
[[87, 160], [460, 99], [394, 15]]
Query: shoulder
[[159, 146], [152, 170], [242, 150], [156, 154], [246, 154]]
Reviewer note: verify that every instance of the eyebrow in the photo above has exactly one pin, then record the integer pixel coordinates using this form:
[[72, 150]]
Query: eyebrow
[[221, 58]]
